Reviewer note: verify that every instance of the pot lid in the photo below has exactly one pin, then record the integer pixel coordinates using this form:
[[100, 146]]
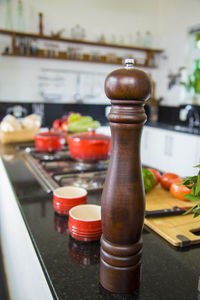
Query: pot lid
[[50, 134], [91, 135]]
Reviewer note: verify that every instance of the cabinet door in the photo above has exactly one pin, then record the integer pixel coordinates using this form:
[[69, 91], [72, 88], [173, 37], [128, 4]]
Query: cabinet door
[[170, 151], [180, 152], [144, 146], [152, 148]]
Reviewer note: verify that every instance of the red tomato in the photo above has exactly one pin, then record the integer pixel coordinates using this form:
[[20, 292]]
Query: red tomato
[[167, 179], [156, 174], [179, 191], [56, 124], [64, 125]]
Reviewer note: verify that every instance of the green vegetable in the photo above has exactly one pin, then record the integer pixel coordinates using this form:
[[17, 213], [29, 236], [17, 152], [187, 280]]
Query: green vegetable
[[85, 119], [193, 183], [74, 117], [82, 125], [148, 179]]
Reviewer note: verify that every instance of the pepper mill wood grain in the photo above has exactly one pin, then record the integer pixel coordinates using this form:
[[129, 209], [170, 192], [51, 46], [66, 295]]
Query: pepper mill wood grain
[[123, 199]]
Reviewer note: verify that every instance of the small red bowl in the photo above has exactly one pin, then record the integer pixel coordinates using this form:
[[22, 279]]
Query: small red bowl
[[85, 222], [66, 197]]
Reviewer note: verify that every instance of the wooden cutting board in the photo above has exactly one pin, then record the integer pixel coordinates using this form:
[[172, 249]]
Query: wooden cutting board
[[18, 136], [177, 230]]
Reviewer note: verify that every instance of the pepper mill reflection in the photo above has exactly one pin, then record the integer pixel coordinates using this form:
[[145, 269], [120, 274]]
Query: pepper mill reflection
[[123, 199]]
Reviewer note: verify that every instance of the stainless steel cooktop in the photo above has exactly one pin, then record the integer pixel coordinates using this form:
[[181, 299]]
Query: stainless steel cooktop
[[58, 169]]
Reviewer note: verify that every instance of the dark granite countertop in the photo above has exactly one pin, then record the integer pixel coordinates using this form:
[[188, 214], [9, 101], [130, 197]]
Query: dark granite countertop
[[72, 268]]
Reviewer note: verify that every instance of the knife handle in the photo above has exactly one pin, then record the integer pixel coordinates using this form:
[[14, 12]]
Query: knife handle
[[164, 212]]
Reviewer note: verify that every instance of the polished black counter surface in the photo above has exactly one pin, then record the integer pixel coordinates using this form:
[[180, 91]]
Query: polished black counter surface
[[72, 268]]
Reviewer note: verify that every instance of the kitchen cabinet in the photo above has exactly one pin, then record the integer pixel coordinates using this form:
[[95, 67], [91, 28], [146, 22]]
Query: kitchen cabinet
[[147, 62], [24, 273], [170, 151]]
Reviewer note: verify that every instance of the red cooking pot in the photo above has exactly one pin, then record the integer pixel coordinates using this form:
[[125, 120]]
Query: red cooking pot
[[89, 146], [49, 141]]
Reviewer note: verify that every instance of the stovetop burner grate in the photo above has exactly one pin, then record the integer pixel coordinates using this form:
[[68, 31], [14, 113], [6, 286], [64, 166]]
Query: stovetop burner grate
[[58, 169], [87, 180], [51, 156]]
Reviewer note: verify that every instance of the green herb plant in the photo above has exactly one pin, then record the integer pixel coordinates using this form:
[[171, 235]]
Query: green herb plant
[[193, 183]]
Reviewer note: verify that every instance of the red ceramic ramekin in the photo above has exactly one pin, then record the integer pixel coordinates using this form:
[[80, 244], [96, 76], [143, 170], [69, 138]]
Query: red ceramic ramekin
[[85, 222], [89, 146], [66, 197], [49, 141]]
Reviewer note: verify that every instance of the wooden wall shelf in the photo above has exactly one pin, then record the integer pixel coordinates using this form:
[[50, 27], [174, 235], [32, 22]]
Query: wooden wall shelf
[[148, 60], [73, 59], [83, 42]]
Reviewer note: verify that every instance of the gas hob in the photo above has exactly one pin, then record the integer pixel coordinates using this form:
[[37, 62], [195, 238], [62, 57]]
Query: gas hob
[[57, 169]]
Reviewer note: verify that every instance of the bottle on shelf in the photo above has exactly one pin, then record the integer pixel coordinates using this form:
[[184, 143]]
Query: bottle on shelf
[[113, 39], [21, 48], [102, 38], [130, 40], [34, 50], [121, 39], [147, 43], [8, 21], [78, 32], [20, 16], [41, 23], [138, 39]]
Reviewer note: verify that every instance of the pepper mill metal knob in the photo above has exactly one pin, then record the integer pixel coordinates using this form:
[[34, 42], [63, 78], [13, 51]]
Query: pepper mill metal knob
[[123, 198]]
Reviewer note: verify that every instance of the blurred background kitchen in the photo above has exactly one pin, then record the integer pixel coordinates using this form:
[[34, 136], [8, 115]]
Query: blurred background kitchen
[[50, 66], [54, 58]]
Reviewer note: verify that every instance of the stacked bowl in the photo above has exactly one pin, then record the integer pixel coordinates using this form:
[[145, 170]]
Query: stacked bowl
[[85, 222], [66, 197]]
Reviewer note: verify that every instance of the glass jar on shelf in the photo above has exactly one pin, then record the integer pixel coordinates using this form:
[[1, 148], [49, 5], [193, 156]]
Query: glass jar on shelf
[[20, 16], [8, 19], [138, 39], [147, 42]]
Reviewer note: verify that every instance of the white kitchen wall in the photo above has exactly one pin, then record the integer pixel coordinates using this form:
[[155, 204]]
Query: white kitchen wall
[[176, 17], [24, 79]]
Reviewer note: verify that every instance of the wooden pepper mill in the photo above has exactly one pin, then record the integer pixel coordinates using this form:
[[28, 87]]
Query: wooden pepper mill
[[123, 199]]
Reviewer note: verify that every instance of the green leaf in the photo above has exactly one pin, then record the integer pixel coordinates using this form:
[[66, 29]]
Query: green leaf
[[191, 178], [193, 190], [189, 210], [197, 166], [185, 182], [191, 197], [197, 213], [197, 190]]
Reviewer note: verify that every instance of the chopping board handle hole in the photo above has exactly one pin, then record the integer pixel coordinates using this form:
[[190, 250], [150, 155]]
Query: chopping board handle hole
[[196, 231]]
